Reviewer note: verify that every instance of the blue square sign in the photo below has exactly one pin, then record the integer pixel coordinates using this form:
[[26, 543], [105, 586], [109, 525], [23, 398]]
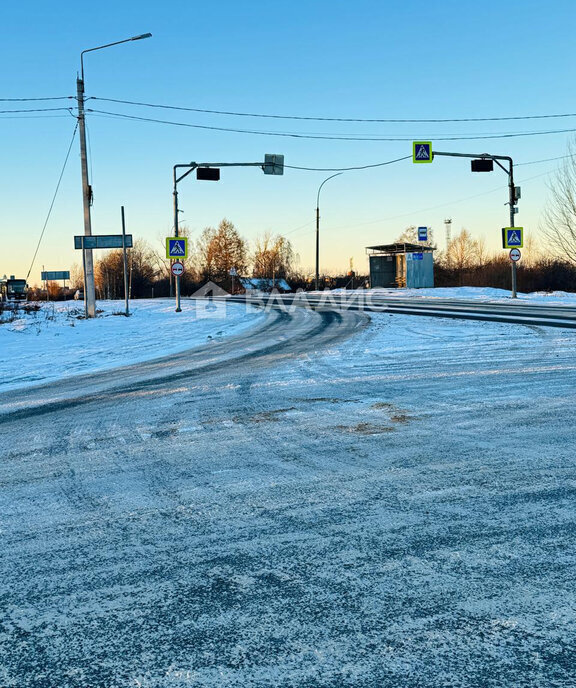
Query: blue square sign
[[422, 151], [176, 248], [512, 237], [422, 233]]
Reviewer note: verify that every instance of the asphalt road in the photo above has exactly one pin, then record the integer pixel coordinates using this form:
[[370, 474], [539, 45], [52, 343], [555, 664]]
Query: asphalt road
[[514, 311], [310, 504]]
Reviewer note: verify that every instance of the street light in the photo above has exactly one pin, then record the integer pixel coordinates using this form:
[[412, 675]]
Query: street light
[[89, 288], [318, 229]]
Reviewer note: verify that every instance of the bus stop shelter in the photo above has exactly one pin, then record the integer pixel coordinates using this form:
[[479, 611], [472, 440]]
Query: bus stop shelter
[[401, 265]]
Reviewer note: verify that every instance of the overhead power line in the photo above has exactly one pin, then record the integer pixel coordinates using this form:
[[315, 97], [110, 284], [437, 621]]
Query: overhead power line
[[329, 137], [390, 162], [22, 100], [34, 110], [413, 213], [346, 169], [534, 162], [53, 201], [3, 117], [336, 119]]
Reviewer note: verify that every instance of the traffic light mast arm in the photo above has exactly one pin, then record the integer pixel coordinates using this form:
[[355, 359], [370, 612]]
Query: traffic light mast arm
[[512, 193], [191, 165], [476, 155], [195, 165], [510, 172]]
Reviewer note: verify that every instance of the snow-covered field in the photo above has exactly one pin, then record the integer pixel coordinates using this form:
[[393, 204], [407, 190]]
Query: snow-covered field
[[56, 341]]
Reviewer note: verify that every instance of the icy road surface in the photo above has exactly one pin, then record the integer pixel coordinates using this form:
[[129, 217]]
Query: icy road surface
[[295, 509]]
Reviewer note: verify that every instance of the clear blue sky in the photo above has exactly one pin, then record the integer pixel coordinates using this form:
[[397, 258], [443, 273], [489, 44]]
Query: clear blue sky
[[367, 59]]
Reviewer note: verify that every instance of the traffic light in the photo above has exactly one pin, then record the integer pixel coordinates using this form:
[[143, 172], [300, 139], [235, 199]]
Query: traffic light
[[482, 165], [211, 174]]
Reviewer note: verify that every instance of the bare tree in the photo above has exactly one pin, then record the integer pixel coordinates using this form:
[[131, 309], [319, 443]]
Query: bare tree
[[273, 257], [219, 250], [109, 272], [410, 236], [480, 251], [559, 221], [462, 251], [76, 277]]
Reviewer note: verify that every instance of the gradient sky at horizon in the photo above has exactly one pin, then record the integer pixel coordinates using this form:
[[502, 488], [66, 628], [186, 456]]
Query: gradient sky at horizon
[[411, 60]]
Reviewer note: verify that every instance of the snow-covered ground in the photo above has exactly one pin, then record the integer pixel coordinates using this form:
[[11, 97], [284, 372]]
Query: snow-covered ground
[[56, 341], [392, 511], [479, 293]]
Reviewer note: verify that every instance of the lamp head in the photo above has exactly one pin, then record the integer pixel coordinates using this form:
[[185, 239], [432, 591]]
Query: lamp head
[[139, 38]]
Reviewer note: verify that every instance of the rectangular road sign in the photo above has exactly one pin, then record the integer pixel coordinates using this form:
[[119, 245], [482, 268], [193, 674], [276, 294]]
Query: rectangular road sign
[[50, 276], [102, 241], [273, 164], [176, 248], [512, 237], [422, 233], [422, 151]]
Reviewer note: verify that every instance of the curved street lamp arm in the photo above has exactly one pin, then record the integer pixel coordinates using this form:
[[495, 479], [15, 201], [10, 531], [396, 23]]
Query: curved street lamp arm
[[108, 45], [324, 182]]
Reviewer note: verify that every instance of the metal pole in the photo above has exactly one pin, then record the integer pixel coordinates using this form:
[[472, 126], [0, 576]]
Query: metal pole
[[512, 204], [317, 248], [89, 287], [318, 228], [176, 277], [125, 262], [84, 271]]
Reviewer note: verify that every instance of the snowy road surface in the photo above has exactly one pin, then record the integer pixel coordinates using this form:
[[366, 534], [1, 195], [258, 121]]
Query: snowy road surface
[[313, 504]]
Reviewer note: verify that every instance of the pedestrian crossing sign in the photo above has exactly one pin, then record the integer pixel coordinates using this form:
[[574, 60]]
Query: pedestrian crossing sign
[[512, 237], [422, 151], [176, 247]]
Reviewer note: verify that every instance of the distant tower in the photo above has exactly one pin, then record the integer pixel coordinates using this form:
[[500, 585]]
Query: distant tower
[[448, 223]]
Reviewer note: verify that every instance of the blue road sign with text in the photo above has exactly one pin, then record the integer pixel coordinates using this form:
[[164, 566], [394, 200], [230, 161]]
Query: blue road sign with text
[[422, 233], [52, 275], [102, 241]]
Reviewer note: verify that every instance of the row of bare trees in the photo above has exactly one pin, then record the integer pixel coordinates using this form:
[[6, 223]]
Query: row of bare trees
[[211, 257], [219, 249]]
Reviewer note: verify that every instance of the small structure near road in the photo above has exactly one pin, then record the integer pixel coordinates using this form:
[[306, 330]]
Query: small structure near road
[[401, 265]]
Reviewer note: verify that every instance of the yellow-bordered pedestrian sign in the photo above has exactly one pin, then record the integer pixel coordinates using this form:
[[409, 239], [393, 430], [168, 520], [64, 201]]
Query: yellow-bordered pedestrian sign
[[177, 248], [512, 237], [422, 151]]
